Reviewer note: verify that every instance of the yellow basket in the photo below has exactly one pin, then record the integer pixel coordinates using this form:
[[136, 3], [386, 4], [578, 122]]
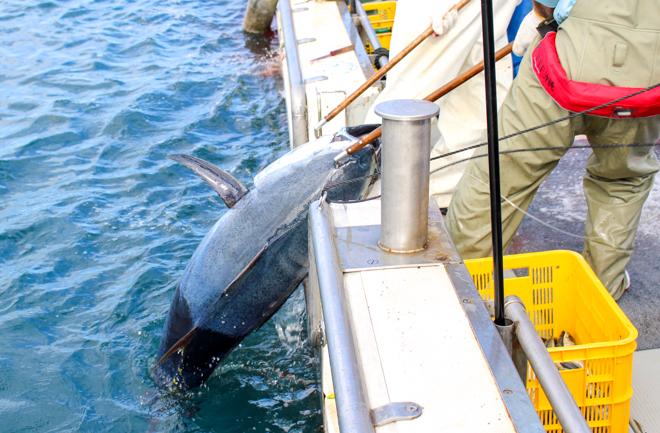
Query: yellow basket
[[381, 14], [561, 293]]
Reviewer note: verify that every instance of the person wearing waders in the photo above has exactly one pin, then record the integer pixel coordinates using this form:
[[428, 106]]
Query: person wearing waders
[[455, 47], [602, 50]]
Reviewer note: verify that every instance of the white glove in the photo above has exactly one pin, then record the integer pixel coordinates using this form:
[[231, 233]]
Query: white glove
[[443, 20], [526, 33]]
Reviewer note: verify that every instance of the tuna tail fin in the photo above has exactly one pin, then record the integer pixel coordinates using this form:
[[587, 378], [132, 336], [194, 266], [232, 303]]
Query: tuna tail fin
[[230, 189], [178, 345]]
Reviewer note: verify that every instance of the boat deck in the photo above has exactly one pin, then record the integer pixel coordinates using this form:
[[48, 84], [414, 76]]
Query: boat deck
[[416, 337], [559, 202]]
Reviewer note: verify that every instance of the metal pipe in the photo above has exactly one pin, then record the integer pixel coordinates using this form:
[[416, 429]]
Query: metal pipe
[[351, 5], [519, 357], [369, 31], [515, 350], [493, 158], [352, 405], [568, 413], [507, 335], [405, 173], [298, 98], [442, 91]]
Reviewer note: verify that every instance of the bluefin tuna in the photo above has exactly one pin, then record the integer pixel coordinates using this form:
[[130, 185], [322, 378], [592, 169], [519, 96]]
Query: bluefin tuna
[[253, 258]]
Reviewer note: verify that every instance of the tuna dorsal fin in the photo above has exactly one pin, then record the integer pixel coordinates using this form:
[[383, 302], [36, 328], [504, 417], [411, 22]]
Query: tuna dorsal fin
[[230, 189], [178, 345]]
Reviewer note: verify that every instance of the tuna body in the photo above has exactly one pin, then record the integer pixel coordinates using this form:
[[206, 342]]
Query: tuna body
[[252, 259]]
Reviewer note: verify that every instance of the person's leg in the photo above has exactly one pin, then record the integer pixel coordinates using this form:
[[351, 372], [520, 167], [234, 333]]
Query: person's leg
[[526, 105], [616, 184], [462, 123], [437, 60]]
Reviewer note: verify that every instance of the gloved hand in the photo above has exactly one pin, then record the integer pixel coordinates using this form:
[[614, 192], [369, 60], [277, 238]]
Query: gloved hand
[[444, 18], [526, 33]]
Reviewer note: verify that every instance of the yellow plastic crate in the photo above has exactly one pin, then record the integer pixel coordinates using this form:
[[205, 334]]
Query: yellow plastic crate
[[381, 14], [561, 293]]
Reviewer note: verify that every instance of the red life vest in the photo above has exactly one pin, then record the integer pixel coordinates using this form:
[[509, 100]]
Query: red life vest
[[576, 96]]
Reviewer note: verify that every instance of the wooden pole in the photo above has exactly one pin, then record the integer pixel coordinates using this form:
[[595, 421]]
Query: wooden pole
[[382, 71], [432, 97]]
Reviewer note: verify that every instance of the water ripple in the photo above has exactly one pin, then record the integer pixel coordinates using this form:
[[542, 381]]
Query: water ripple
[[96, 225]]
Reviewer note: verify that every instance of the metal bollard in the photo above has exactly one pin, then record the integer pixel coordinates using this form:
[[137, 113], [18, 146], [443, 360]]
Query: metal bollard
[[405, 174], [259, 15], [507, 333]]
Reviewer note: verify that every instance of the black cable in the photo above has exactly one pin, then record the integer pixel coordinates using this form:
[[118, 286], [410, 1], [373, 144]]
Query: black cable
[[596, 146], [550, 123], [488, 33], [376, 175], [378, 52]]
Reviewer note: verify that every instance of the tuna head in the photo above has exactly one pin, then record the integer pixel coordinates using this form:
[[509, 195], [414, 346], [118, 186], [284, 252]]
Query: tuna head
[[254, 256]]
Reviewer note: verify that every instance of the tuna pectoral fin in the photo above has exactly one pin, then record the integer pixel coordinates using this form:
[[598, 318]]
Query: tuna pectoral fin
[[178, 345], [230, 189]]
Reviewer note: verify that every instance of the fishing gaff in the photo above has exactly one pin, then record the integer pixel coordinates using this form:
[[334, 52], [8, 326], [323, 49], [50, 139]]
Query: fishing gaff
[[442, 91], [381, 72]]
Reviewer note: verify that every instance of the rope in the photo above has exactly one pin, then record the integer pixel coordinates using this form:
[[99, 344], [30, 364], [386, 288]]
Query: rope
[[552, 148], [550, 225], [376, 175], [335, 185], [596, 146], [570, 116]]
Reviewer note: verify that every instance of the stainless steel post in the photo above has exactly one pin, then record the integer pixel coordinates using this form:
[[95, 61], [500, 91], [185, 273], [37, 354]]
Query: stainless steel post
[[370, 32], [405, 173], [519, 358], [568, 413], [507, 334]]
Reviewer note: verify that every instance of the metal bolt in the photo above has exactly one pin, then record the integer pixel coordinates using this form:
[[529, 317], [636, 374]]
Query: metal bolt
[[372, 261], [467, 301], [507, 391], [412, 408], [441, 257]]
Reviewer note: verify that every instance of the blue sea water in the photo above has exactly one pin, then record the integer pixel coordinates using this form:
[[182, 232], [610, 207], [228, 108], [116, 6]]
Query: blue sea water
[[96, 225]]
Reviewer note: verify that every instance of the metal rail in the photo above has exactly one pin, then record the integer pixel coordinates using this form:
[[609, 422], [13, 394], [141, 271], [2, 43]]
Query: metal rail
[[297, 100], [568, 413], [369, 31], [350, 395]]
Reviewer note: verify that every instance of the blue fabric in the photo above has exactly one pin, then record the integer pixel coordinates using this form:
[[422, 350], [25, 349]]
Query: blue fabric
[[562, 8], [549, 3], [519, 14]]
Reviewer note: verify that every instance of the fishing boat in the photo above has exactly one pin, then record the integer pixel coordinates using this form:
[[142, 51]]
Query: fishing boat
[[407, 341]]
